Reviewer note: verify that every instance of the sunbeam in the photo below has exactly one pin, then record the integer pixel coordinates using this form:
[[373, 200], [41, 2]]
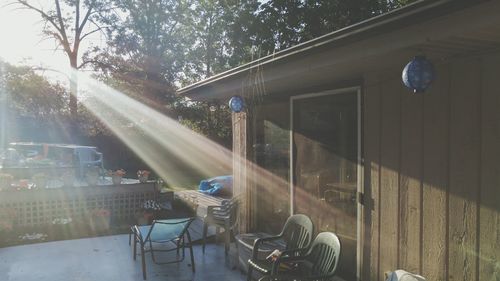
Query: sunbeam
[[163, 144], [159, 140]]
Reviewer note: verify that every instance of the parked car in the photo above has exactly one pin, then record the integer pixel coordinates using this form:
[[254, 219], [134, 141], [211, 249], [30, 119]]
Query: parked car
[[23, 154]]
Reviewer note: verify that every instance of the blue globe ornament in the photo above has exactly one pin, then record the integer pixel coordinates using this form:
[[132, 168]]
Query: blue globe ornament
[[236, 104], [418, 74]]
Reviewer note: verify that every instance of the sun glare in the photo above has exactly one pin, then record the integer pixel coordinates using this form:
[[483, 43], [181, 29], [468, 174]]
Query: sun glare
[[163, 143], [159, 140]]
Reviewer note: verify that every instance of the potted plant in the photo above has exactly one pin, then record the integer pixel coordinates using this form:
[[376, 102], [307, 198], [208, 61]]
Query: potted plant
[[100, 220], [143, 175], [6, 181], [92, 176], [149, 209], [23, 184], [40, 180], [116, 176]]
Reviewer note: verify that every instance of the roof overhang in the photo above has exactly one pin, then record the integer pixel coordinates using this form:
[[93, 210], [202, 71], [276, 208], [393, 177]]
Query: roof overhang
[[361, 47]]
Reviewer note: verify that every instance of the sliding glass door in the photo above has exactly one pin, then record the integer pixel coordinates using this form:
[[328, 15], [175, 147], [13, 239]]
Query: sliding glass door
[[325, 146]]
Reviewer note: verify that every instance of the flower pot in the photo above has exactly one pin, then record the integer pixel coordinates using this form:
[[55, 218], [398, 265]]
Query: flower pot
[[148, 216], [116, 179], [143, 179]]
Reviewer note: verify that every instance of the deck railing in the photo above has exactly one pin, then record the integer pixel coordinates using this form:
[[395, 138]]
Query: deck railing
[[26, 208]]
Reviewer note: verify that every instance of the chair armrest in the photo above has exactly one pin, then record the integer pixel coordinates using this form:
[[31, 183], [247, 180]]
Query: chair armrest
[[259, 241], [283, 259], [211, 209], [137, 233]]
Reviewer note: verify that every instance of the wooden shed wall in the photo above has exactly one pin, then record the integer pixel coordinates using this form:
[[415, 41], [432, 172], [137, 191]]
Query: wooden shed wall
[[432, 175]]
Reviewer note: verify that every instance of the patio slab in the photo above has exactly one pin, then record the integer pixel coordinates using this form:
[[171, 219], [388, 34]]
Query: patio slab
[[107, 258]]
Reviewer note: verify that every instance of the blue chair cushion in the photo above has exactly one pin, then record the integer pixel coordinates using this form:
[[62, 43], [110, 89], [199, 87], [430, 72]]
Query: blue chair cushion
[[164, 230]]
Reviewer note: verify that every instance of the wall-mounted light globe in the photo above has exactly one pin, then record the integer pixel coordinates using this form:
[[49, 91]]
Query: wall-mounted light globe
[[418, 74], [236, 104]]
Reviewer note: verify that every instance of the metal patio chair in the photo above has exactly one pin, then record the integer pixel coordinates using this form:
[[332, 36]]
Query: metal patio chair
[[319, 263], [296, 234], [173, 231], [224, 216]]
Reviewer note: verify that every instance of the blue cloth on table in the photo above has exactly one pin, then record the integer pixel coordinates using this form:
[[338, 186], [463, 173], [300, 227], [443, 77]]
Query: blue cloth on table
[[221, 185]]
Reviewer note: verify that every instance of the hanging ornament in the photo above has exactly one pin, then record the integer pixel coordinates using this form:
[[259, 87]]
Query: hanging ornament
[[418, 74], [236, 104]]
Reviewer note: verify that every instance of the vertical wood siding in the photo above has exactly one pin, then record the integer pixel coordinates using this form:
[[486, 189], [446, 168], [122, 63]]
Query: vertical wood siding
[[410, 187], [435, 177], [389, 173], [432, 173], [489, 218]]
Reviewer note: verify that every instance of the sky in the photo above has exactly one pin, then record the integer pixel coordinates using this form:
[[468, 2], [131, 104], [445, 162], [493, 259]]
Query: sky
[[22, 41]]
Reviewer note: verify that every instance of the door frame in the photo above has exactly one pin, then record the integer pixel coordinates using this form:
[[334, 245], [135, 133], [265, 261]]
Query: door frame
[[359, 189]]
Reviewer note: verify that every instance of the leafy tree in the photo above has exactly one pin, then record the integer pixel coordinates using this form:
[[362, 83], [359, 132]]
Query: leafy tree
[[221, 35], [281, 23], [286, 23], [29, 104], [69, 22], [212, 120], [324, 16], [145, 53], [30, 94]]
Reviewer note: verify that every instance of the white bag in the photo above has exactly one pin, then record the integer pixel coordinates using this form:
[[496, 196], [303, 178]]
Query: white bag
[[402, 275]]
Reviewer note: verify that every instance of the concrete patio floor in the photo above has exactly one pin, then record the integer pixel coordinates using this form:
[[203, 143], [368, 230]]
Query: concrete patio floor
[[107, 258]]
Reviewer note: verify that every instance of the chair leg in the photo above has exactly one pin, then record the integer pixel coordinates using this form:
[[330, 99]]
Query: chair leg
[[143, 259], [152, 252], [130, 237], [135, 247], [228, 239], [184, 247], [249, 273], [205, 230], [191, 250], [178, 246]]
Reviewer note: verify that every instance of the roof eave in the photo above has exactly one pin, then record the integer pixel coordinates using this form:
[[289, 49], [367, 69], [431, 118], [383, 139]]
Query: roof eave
[[410, 14]]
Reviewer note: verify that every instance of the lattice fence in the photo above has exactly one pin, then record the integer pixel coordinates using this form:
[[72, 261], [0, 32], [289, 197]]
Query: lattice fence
[[42, 207]]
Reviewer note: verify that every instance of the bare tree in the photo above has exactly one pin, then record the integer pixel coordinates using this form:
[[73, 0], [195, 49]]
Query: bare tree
[[69, 22]]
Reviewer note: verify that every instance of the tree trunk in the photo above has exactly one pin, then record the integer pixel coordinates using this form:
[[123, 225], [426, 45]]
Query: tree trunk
[[73, 88]]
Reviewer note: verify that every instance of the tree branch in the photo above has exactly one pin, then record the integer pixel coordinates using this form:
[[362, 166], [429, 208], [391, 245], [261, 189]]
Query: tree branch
[[63, 29], [77, 15], [85, 19], [90, 32], [41, 12]]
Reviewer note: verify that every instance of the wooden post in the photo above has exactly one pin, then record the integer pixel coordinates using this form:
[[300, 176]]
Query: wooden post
[[242, 184]]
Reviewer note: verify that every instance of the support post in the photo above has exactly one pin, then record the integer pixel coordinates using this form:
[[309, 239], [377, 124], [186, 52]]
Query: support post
[[242, 155]]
